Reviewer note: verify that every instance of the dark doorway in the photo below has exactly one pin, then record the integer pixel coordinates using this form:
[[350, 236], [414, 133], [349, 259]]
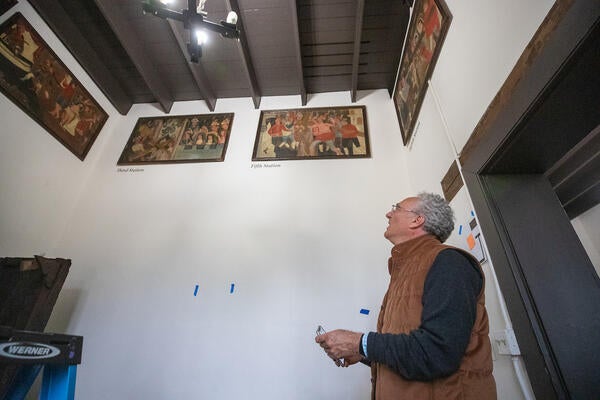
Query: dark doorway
[[532, 164]]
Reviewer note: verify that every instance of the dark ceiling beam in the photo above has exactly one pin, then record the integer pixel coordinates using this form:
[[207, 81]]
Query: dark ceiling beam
[[196, 69], [131, 43], [299, 67], [244, 51], [360, 10], [63, 26]]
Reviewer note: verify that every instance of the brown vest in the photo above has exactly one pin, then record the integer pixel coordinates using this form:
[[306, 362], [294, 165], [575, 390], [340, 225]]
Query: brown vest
[[401, 313]]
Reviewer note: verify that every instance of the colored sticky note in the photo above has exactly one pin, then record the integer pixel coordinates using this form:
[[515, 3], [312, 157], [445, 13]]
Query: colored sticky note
[[471, 241], [231, 289], [364, 311], [196, 290]]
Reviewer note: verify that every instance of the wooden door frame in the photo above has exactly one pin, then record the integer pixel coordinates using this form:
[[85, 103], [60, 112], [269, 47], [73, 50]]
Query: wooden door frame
[[551, 354]]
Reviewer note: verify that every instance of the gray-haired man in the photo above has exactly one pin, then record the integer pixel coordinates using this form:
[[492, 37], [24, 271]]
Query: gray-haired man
[[432, 332]]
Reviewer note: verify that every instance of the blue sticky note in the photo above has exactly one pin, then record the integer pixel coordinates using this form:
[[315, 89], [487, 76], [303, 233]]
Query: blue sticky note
[[364, 311], [196, 290], [472, 213], [232, 286], [460, 230]]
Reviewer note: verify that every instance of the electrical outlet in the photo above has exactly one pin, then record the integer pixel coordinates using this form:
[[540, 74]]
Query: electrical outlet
[[500, 342]]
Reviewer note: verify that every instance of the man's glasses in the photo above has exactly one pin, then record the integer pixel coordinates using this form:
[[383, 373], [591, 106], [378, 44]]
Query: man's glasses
[[397, 207]]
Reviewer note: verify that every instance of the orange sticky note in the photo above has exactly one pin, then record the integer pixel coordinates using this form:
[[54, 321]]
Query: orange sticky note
[[471, 241]]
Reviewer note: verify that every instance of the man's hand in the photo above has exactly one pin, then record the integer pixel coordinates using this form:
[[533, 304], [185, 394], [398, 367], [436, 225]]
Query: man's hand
[[340, 344], [351, 360]]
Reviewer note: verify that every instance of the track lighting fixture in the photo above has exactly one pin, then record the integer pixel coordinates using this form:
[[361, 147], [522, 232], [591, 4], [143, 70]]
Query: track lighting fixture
[[194, 20]]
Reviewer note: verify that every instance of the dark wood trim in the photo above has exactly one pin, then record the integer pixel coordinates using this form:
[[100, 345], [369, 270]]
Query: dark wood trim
[[360, 11], [536, 67], [7, 5], [131, 43], [519, 306], [244, 51], [549, 284], [66, 30], [451, 182], [196, 69], [555, 279], [298, 51]]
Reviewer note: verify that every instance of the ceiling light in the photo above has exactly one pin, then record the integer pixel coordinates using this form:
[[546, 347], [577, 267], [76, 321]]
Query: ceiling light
[[194, 19], [232, 18], [201, 37]]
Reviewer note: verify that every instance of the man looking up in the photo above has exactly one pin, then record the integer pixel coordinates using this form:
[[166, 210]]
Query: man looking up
[[432, 333]]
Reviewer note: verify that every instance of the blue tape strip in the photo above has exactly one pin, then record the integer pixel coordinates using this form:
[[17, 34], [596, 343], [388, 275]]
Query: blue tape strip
[[472, 213], [196, 290], [460, 230], [364, 311], [232, 286]]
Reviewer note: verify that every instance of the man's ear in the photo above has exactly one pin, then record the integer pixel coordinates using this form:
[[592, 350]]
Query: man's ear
[[417, 221]]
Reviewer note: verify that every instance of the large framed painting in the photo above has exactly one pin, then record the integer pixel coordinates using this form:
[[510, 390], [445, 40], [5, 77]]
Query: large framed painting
[[310, 133], [36, 80], [429, 24], [177, 139]]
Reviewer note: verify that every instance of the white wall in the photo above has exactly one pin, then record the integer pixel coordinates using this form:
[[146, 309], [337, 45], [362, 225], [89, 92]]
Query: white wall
[[41, 179], [484, 42], [587, 226], [302, 242]]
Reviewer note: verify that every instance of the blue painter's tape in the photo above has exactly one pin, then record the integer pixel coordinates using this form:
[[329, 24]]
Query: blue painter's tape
[[232, 286], [460, 230], [196, 290], [364, 311], [472, 213]]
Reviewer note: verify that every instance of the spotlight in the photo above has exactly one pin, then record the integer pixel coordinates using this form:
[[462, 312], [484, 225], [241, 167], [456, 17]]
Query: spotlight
[[231, 18], [194, 20], [201, 37]]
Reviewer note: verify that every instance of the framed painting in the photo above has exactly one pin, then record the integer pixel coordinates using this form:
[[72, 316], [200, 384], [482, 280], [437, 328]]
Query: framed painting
[[36, 80], [428, 27], [177, 139], [310, 133], [5, 5]]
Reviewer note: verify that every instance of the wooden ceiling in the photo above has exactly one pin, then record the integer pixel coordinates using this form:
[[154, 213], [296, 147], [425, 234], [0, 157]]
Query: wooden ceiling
[[287, 47]]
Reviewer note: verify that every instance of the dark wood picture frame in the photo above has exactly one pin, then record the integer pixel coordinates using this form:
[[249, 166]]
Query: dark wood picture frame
[[428, 27], [178, 139], [38, 82], [312, 133]]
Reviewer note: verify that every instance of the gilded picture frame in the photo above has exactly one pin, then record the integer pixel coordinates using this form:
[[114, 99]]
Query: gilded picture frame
[[38, 82], [178, 139], [428, 27], [312, 133]]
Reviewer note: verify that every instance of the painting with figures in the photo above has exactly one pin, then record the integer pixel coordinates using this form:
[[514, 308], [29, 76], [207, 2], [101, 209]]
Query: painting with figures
[[312, 133], [37, 81], [174, 139]]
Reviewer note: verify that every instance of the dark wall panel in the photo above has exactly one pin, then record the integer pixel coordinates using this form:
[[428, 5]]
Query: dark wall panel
[[563, 286]]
